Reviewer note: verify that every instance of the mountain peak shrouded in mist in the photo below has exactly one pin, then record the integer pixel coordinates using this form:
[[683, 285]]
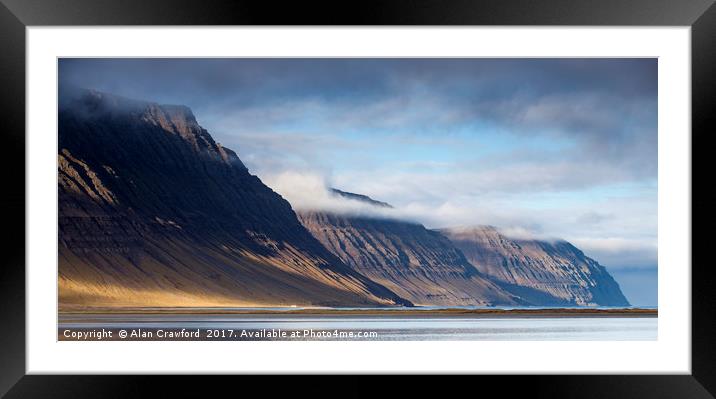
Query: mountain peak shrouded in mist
[[520, 267], [360, 197], [154, 212], [101, 107], [552, 272]]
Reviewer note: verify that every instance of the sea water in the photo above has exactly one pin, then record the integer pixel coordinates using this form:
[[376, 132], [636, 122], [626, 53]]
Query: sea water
[[375, 327]]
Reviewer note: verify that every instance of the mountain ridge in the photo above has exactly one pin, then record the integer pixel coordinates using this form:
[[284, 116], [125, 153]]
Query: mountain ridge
[[551, 272], [532, 271], [153, 211], [416, 263], [360, 197]]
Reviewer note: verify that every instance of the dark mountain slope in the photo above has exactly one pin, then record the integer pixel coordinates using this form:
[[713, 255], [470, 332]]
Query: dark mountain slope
[[153, 212]]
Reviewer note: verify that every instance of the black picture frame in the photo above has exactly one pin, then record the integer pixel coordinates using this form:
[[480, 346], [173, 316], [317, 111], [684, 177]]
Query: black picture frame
[[16, 15]]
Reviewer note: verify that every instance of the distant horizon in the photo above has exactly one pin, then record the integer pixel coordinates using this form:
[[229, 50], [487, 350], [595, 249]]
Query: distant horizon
[[562, 148]]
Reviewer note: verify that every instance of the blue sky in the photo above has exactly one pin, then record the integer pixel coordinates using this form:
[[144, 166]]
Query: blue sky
[[561, 148]]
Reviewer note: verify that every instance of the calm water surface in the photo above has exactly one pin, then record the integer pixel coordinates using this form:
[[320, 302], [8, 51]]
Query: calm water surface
[[382, 327]]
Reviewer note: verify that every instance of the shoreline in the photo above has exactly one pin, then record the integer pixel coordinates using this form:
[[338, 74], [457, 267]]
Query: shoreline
[[377, 312]]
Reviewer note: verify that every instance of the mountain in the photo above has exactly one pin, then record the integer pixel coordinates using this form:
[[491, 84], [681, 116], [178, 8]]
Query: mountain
[[360, 197], [418, 264], [154, 212], [466, 266], [540, 272]]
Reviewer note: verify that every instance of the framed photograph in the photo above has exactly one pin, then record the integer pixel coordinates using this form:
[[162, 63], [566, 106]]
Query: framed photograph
[[415, 188]]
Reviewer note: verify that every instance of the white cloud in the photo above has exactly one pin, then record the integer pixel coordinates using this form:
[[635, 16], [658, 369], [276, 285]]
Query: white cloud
[[620, 253], [310, 191]]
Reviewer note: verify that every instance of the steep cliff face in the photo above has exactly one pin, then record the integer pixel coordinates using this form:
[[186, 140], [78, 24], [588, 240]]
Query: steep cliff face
[[154, 212], [543, 273], [412, 261]]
